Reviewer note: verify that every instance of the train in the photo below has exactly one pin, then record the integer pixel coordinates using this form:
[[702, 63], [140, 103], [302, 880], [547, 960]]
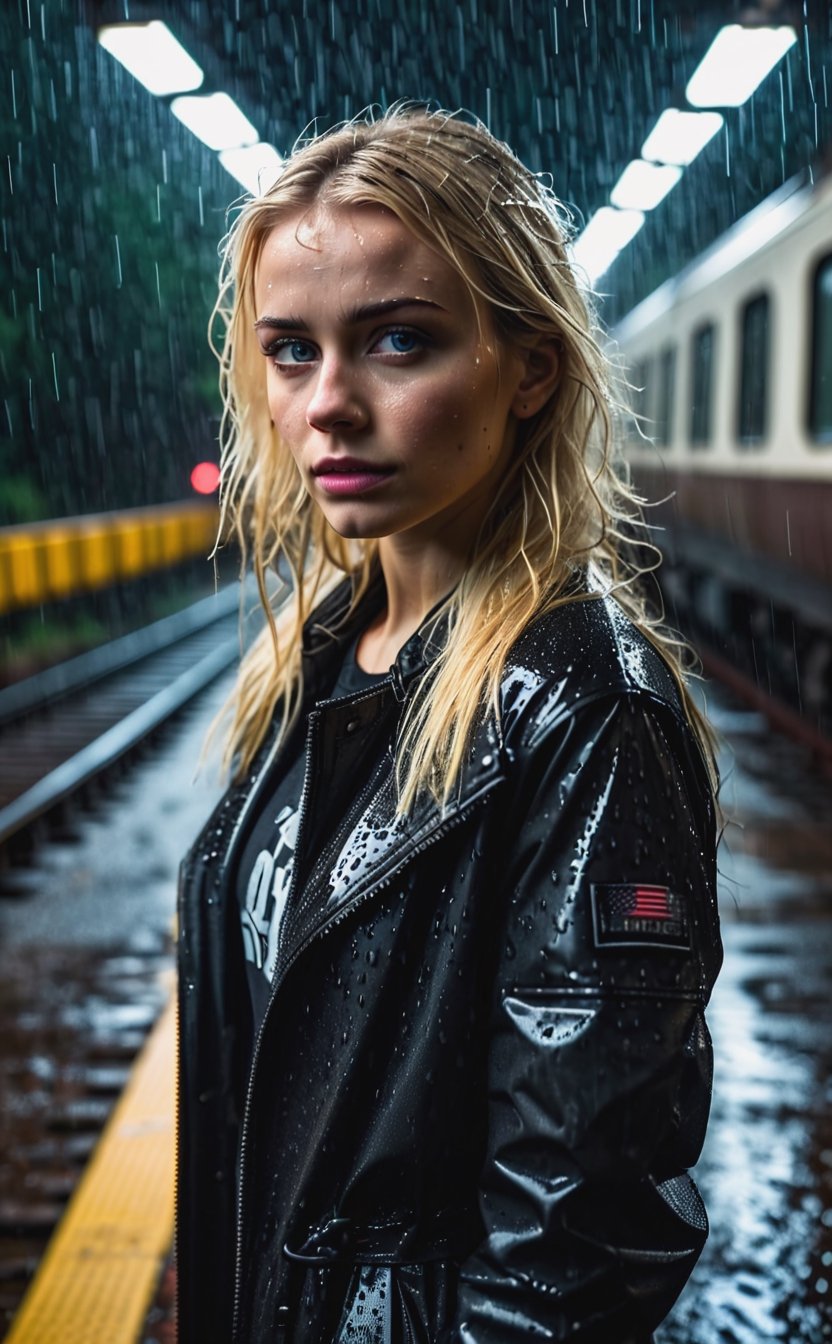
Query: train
[[729, 441]]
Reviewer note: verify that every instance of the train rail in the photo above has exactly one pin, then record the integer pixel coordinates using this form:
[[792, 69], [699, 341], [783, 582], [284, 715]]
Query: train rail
[[66, 725]]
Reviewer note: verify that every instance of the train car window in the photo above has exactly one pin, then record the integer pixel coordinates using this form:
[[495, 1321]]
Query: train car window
[[703, 347], [820, 394], [664, 399], [754, 350]]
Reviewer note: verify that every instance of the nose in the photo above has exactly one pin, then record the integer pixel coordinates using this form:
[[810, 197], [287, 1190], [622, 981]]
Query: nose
[[335, 402]]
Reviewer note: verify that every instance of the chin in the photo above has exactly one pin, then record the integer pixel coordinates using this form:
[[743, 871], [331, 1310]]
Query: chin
[[361, 533], [355, 529]]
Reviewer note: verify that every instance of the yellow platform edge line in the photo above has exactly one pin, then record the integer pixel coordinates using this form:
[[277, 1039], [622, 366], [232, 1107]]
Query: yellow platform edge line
[[96, 1280]]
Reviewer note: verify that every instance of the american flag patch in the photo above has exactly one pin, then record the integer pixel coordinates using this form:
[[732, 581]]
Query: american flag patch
[[638, 914]]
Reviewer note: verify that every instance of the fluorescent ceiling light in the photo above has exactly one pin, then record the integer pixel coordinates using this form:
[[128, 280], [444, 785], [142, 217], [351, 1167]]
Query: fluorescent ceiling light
[[216, 120], [737, 61], [678, 137], [605, 235], [256, 167], [152, 55], [642, 185]]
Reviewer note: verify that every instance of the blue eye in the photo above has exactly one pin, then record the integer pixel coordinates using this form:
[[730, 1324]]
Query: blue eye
[[399, 343], [293, 352]]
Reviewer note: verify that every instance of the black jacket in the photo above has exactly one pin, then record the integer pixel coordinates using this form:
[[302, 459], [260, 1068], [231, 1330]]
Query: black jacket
[[485, 1068]]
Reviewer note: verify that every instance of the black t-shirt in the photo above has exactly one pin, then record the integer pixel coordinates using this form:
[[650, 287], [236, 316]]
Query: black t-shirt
[[264, 875]]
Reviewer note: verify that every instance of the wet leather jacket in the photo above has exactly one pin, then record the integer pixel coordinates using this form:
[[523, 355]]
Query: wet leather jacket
[[485, 1068]]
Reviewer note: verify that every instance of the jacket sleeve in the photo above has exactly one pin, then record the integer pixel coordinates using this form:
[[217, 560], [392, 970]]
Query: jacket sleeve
[[599, 1072]]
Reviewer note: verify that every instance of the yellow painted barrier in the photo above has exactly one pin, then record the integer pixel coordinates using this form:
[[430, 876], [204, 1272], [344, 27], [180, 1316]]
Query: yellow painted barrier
[[173, 539], [97, 1279], [25, 557], [97, 554], [130, 539], [153, 545], [62, 556], [6, 591], [43, 561]]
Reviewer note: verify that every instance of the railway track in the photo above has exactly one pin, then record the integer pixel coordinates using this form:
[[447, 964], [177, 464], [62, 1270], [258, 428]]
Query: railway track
[[61, 728], [66, 1059], [73, 1018]]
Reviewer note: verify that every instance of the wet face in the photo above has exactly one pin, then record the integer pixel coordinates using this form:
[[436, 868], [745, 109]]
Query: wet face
[[383, 380]]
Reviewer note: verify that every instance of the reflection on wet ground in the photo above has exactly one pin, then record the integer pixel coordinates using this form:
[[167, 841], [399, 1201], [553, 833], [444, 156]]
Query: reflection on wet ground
[[766, 1171]]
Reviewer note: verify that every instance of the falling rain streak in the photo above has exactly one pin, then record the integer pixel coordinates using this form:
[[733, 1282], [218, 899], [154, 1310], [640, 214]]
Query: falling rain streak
[[782, 107]]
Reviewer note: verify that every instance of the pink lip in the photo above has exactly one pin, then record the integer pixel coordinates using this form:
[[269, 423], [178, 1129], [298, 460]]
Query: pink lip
[[348, 475], [351, 482]]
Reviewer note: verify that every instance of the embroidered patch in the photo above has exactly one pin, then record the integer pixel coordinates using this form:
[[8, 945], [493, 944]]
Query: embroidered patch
[[635, 914]]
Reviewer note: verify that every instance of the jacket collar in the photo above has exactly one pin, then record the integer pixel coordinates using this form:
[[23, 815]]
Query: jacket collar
[[329, 630]]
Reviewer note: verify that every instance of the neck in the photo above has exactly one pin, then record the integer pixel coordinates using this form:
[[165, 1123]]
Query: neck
[[415, 581]]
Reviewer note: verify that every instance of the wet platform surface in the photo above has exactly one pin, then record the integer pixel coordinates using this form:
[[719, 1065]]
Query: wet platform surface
[[766, 1172]]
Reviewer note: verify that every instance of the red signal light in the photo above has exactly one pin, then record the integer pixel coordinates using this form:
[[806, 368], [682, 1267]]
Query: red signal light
[[205, 478]]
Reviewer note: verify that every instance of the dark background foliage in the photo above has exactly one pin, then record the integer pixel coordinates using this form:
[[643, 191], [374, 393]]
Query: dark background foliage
[[112, 213]]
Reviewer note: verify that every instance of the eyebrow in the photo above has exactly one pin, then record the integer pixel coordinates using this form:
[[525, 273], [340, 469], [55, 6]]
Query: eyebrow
[[361, 314]]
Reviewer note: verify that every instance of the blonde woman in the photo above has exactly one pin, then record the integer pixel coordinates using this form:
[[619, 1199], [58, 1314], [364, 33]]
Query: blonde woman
[[447, 942]]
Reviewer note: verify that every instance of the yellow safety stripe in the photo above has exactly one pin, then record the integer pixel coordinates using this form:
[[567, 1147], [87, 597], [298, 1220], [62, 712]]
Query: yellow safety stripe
[[97, 1279]]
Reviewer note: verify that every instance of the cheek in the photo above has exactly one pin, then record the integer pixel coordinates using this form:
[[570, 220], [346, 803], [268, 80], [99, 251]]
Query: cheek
[[273, 391], [443, 416], [470, 406], [282, 409]]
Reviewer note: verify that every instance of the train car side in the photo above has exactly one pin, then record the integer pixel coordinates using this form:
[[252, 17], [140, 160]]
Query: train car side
[[734, 365]]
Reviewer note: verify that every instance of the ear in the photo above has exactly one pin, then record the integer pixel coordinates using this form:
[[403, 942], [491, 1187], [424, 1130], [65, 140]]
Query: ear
[[541, 362]]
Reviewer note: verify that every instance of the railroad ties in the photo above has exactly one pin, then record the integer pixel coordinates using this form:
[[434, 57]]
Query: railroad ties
[[101, 1268]]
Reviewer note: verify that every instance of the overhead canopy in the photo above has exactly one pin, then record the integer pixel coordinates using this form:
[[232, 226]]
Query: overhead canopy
[[576, 86]]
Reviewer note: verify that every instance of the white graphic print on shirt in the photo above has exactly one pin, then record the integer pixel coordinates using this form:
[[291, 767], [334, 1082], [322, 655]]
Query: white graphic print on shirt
[[268, 887]]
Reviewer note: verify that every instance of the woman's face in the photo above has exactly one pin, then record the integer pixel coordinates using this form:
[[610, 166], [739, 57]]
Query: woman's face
[[381, 381]]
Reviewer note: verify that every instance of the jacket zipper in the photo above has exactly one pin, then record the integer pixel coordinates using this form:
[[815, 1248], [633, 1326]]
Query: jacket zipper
[[331, 923], [313, 719], [438, 833], [383, 883], [312, 724]]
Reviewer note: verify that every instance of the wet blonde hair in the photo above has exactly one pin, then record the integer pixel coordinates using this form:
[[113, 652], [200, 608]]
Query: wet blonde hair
[[560, 505]]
